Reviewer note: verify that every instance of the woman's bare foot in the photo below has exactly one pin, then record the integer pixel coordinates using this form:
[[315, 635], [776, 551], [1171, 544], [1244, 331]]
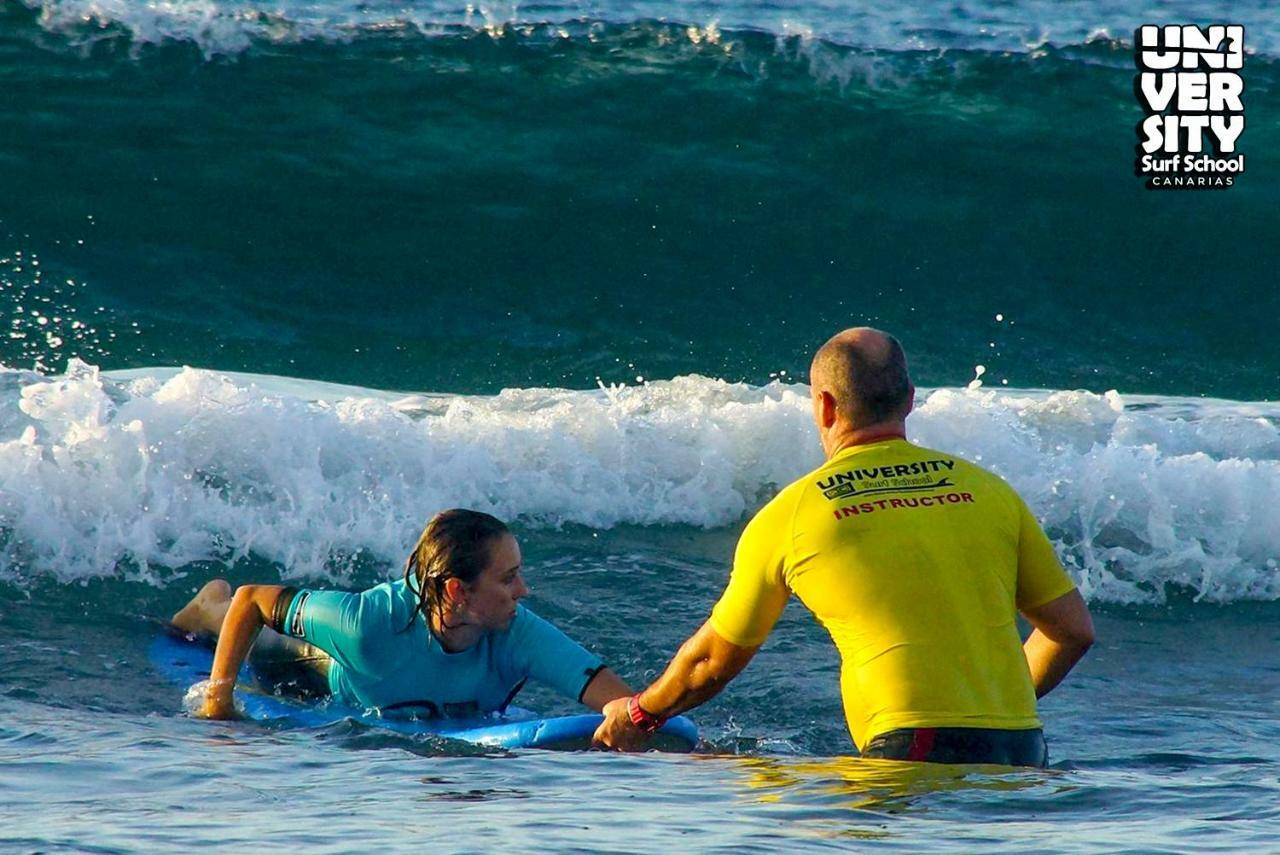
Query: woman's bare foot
[[206, 610]]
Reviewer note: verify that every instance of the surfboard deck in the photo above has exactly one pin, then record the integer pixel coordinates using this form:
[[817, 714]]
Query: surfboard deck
[[185, 663]]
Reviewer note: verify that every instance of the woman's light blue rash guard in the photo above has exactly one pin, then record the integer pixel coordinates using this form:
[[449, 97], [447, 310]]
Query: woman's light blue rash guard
[[379, 664]]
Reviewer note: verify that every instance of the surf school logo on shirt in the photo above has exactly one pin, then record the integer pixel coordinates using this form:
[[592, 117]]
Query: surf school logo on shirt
[[894, 478], [1189, 86]]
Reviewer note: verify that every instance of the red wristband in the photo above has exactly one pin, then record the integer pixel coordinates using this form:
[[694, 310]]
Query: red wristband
[[642, 718]]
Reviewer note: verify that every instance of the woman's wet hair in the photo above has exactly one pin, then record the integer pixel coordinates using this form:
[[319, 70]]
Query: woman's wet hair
[[456, 544]]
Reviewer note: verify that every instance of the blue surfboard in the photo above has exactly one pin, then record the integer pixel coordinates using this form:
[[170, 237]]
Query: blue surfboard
[[185, 663]]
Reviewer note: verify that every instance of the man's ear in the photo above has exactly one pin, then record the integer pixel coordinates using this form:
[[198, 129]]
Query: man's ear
[[911, 399], [826, 409]]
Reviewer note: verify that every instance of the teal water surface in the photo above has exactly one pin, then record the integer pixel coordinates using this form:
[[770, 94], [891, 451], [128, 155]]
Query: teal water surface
[[543, 206]]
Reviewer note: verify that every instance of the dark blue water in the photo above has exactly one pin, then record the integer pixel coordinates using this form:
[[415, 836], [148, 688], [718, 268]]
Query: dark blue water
[[568, 264]]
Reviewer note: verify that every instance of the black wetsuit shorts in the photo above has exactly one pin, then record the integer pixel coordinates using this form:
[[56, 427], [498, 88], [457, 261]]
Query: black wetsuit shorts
[[961, 745]]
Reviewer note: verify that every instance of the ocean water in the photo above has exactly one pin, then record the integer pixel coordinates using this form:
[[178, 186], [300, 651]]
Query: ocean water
[[278, 282]]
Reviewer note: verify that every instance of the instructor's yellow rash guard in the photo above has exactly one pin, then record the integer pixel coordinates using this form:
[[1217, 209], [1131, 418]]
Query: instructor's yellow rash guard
[[916, 562]]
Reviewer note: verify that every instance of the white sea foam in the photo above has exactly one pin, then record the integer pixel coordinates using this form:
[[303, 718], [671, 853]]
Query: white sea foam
[[163, 467]]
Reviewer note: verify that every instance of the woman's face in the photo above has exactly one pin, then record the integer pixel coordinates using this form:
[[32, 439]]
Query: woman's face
[[491, 599]]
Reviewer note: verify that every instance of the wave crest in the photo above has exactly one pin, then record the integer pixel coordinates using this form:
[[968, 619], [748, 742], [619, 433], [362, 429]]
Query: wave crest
[[164, 467]]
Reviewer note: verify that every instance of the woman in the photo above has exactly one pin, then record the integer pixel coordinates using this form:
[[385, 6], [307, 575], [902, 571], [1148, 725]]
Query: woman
[[449, 639]]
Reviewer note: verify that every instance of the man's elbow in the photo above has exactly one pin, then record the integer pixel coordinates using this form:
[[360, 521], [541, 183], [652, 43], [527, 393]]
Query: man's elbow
[[1065, 621], [1079, 637], [710, 665], [701, 665], [725, 661]]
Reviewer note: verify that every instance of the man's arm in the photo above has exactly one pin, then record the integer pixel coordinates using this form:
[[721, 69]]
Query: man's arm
[[249, 611], [700, 669], [1063, 632]]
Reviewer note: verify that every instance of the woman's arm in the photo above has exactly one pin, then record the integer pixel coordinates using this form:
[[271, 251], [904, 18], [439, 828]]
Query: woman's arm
[[605, 686], [249, 611]]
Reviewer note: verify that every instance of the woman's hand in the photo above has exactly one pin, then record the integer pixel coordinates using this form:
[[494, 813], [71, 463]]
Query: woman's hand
[[213, 699]]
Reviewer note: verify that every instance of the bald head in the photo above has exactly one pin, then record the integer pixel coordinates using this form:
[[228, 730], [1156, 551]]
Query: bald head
[[865, 370]]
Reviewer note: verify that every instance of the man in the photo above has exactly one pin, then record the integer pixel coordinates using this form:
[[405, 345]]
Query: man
[[915, 561]]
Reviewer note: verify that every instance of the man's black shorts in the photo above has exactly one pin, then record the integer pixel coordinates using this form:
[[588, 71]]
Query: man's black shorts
[[961, 745]]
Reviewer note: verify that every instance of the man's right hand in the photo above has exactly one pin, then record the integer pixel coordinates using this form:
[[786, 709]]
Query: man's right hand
[[616, 732]]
